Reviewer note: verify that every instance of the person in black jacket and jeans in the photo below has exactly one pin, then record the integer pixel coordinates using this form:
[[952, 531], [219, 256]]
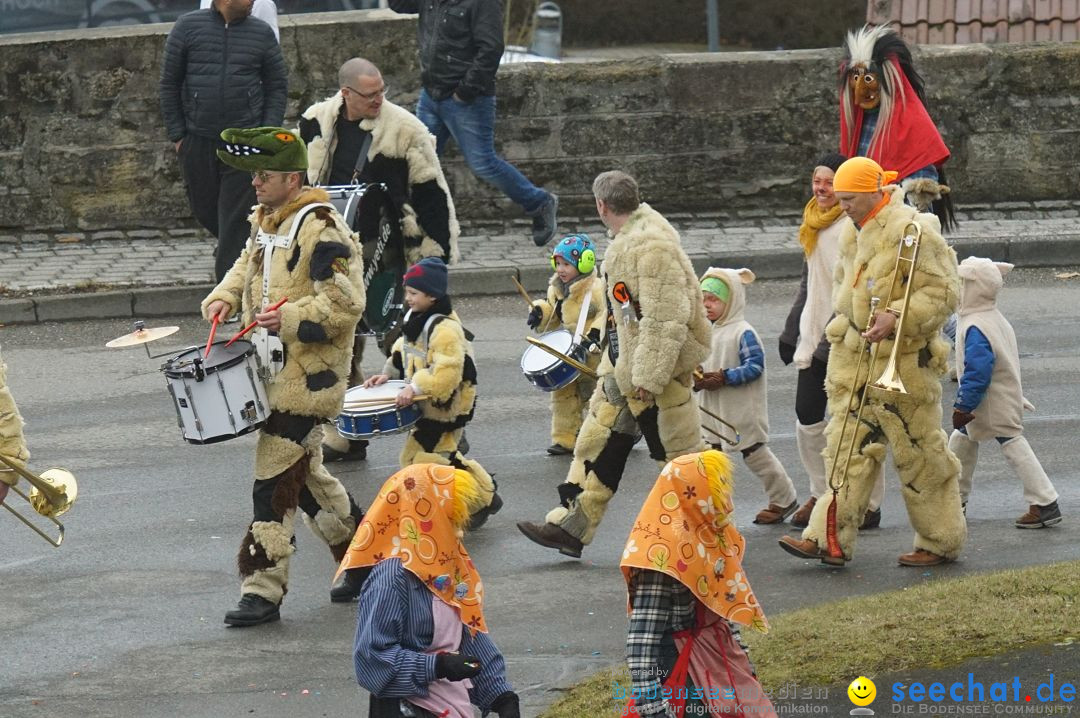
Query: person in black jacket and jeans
[[222, 69], [461, 43]]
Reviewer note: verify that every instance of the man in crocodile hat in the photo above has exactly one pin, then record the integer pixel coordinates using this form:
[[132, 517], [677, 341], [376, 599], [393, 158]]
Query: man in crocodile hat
[[301, 251]]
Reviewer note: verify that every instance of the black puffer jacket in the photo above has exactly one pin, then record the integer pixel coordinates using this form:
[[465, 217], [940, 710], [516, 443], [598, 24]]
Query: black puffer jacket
[[216, 76], [461, 43]]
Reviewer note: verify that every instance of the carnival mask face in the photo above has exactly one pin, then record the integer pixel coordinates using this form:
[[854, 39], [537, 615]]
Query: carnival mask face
[[864, 87]]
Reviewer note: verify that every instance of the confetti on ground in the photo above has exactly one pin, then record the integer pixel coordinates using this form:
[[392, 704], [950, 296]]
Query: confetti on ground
[[305, 692]]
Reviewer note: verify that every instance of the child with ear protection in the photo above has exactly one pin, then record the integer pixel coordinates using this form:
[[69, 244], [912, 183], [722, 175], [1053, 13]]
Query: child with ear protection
[[574, 262], [731, 385]]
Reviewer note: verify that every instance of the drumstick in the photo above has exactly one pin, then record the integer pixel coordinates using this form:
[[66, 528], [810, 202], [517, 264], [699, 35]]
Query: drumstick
[[251, 326], [584, 369], [213, 331], [521, 290], [380, 400]]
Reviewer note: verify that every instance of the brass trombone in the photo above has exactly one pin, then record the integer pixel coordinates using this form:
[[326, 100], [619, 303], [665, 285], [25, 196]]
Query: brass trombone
[[54, 493]]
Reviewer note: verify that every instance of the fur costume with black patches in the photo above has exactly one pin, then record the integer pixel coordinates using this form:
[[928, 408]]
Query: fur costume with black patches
[[568, 403], [322, 275], [12, 441], [910, 423], [402, 156], [666, 335]]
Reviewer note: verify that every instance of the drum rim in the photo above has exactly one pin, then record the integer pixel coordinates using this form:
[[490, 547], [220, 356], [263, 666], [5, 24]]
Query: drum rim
[[188, 371], [377, 409], [570, 351]]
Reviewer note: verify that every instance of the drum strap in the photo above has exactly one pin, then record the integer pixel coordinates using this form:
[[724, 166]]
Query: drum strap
[[271, 241], [361, 159], [579, 330]]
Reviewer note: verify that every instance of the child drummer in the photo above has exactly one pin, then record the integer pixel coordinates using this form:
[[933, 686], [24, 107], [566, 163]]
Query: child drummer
[[435, 357], [732, 386], [574, 287]]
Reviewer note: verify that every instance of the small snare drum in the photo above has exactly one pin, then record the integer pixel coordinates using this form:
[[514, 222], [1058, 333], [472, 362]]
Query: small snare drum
[[220, 397], [378, 417], [546, 371]]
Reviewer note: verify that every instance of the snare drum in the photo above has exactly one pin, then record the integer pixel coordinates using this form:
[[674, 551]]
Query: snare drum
[[376, 418], [368, 211], [546, 371], [217, 398]]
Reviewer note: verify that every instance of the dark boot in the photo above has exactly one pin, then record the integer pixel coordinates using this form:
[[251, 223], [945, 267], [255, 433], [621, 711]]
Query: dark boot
[[251, 611], [801, 518], [559, 450], [347, 586], [357, 452], [480, 517], [552, 536], [545, 221], [1038, 517], [871, 519]]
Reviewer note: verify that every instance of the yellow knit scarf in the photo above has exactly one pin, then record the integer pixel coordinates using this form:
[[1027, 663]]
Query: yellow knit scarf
[[815, 218]]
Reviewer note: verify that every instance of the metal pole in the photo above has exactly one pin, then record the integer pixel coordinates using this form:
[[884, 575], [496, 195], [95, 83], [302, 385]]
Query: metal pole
[[712, 15]]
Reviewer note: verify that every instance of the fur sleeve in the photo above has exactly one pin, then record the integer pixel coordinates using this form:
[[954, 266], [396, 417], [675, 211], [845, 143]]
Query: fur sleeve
[[665, 317], [231, 287], [337, 299], [12, 442], [934, 291], [429, 194], [446, 362]]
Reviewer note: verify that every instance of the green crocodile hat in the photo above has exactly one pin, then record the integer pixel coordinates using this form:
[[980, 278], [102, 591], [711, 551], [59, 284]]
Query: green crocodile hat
[[273, 149]]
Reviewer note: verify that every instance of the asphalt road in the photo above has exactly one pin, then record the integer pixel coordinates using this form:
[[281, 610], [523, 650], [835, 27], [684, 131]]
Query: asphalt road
[[125, 620]]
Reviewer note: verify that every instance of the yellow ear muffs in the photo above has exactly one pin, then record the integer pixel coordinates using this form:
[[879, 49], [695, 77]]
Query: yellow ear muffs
[[587, 261]]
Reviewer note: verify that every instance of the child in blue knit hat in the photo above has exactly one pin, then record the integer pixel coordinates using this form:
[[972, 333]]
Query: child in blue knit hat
[[574, 281]]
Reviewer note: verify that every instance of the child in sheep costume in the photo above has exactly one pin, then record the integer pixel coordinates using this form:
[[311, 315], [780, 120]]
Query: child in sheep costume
[[990, 401], [732, 386], [910, 423], [575, 278], [320, 273]]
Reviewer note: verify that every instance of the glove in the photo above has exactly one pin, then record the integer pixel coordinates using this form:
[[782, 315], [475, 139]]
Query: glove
[[456, 667], [787, 352], [592, 341], [535, 315], [710, 381], [507, 705], [960, 419]]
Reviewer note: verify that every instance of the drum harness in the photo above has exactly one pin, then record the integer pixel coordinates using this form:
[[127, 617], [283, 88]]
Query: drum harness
[[268, 345]]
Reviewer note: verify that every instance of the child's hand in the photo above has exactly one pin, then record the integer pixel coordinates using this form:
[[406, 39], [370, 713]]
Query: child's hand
[[960, 419], [787, 352], [405, 396], [710, 381], [535, 315]]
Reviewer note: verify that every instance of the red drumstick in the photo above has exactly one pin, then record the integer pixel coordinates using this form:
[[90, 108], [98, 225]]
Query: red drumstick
[[213, 331], [251, 326]]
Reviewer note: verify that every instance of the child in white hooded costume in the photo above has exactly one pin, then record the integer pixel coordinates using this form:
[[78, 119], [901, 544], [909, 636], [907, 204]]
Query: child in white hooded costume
[[990, 401], [732, 386]]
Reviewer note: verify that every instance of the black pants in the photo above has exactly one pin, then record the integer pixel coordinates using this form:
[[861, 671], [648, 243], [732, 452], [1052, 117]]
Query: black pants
[[220, 196], [391, 708], [810, 398]]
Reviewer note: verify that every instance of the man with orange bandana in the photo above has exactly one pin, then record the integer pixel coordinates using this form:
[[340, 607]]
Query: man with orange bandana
[[422, 647], [688, 593], [909, 422]]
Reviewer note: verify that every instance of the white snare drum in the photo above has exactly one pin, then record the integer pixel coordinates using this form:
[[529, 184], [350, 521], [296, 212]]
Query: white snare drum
[[546, 371], [381, 416], [218, 398]]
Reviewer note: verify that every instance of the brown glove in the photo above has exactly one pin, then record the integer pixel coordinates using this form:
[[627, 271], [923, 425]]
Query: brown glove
[[960, 419], [710, 381]]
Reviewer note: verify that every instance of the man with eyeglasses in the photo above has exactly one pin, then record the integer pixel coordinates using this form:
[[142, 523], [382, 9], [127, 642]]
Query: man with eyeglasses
[[461, 43], [222, 68], [302, 252]]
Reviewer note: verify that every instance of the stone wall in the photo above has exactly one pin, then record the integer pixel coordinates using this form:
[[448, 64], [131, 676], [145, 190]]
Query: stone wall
[[82, 147]]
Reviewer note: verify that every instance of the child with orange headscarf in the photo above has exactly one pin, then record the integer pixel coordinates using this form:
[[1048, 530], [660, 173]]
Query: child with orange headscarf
[[687, 595], [422, 647]]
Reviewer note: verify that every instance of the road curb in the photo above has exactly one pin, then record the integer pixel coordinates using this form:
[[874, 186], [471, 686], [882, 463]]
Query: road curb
[[783, 263]]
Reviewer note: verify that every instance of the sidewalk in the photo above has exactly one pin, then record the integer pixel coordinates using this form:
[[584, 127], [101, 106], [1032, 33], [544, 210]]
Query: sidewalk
[[142, 273]]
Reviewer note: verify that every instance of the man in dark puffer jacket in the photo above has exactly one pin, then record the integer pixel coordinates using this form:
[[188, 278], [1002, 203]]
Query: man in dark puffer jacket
[[222, 69]]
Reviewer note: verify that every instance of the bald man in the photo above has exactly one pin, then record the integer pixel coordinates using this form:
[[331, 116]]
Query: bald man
[[909, 422], [401, 156]]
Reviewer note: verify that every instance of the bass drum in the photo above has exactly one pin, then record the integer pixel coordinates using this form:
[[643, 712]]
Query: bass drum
[[368, 211]]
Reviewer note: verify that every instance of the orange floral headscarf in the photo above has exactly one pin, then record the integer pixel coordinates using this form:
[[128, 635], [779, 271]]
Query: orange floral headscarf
[[684, 530], [416, 518]]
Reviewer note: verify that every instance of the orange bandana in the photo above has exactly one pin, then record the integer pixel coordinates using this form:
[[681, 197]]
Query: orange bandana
[[411, 520], [684, 529], [861, 174]]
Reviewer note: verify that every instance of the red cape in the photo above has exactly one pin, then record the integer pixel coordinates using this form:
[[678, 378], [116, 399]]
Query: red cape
[[911, 142]]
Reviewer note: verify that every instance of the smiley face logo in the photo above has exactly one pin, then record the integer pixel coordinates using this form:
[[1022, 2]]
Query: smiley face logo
[[862, 691]]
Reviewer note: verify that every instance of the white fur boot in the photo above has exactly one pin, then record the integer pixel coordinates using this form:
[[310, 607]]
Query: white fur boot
[[810, 438], [1038, 490], [968, 452]]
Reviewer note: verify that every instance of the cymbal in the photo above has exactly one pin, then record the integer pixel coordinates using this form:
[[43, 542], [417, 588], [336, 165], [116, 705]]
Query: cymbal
[[142, 336]]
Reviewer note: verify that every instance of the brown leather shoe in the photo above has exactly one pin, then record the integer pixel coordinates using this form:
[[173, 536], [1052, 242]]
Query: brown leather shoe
[[801, 518], [552, 536], [871, 520], [808, 548], [775, 514], [920, 558]]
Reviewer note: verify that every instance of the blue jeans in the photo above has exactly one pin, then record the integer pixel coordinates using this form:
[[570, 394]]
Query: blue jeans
[[473, 128]]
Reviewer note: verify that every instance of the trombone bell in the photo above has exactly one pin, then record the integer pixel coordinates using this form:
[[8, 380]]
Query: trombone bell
[[53, 493], [890, 381]]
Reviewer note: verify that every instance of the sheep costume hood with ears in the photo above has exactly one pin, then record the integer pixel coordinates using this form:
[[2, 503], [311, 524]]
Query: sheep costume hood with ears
[[981, 280], [746, 405]]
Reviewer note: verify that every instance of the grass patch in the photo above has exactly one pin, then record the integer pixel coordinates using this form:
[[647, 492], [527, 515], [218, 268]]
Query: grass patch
[[932, 625]]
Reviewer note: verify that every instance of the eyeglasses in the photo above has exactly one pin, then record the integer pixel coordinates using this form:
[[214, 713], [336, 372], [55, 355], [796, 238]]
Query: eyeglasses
[[369, 96], [264, 175]]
